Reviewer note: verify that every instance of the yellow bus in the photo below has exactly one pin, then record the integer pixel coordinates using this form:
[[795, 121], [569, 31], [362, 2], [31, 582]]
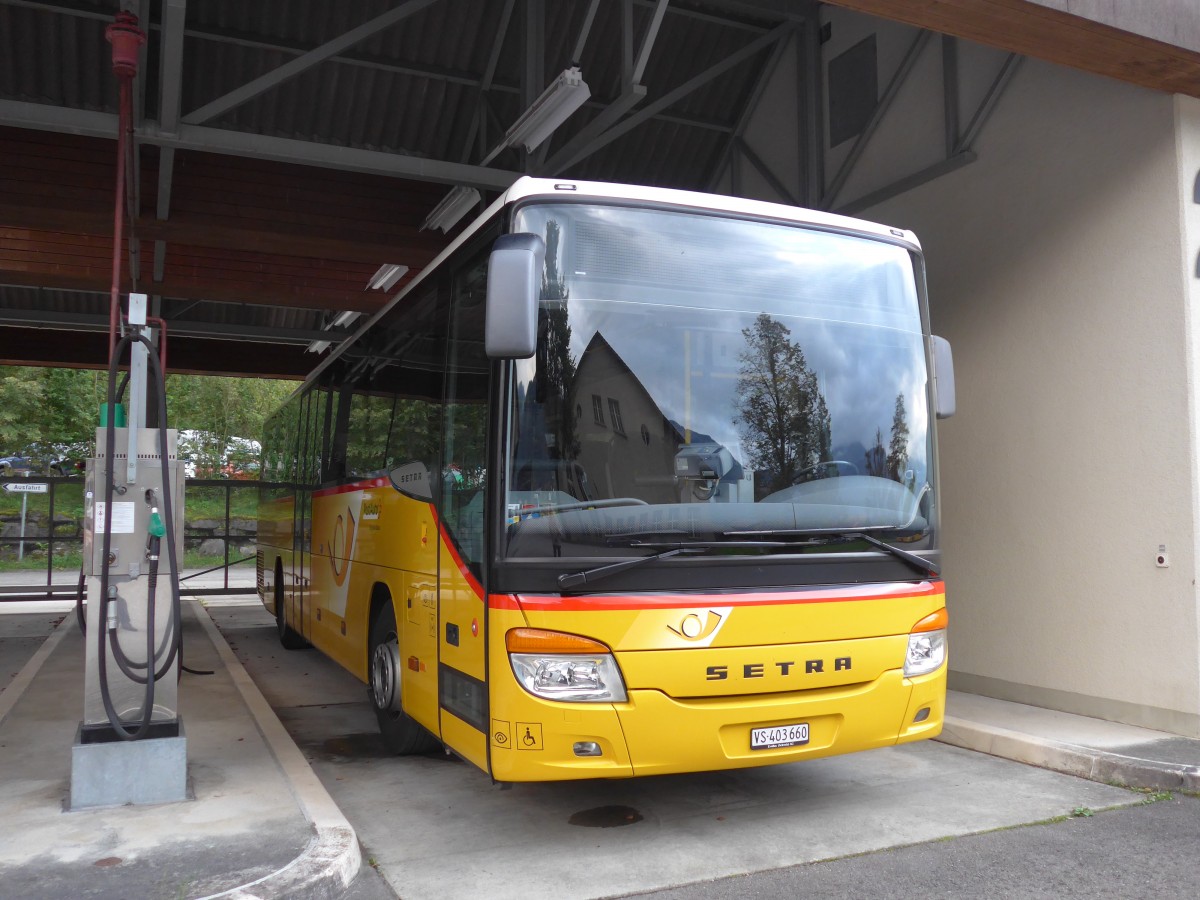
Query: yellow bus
[[629, 481]]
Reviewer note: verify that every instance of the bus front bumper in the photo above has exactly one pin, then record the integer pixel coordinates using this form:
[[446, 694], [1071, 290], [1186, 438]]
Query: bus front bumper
[[653, 734]]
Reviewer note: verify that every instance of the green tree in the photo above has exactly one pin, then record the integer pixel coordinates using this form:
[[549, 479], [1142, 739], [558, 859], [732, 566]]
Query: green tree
[[877, 457], [897, 458], [225, 415], [782, 415], [556, 368], [47, 413], [50, 413]]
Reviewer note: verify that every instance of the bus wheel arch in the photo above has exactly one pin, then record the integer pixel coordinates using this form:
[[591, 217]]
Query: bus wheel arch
[[401, 734], [289, 638]]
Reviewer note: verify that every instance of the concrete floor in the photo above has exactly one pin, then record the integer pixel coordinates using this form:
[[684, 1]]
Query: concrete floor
[[438, 828]]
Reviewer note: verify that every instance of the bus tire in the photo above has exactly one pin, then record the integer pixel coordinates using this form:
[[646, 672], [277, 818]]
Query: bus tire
[[401, 735], [289, 637]]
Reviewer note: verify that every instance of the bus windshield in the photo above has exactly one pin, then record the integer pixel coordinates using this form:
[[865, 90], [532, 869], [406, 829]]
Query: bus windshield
[[717, 379]]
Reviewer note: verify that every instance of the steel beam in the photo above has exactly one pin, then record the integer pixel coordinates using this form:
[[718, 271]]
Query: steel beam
[[578, 147], [643, 57], [585, 31], [937, 170], [881, 108], [626, 44], [170, 79], [765, 171], [811, 89], [170, 64], [478, 130], [692, 84], [37, 318], [988, 105], [696, 15], [950, 92], [748, 110], [61, 119], [303, 63], [87, 123]]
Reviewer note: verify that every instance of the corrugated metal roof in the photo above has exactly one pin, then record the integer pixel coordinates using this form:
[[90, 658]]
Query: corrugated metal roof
[[411, 89]]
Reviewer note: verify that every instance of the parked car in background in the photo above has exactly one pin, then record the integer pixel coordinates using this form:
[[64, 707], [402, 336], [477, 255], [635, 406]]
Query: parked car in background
[[207, 455], [16, 466]]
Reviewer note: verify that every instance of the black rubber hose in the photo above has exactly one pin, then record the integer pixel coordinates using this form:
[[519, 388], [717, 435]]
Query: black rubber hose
[[141, 729], [127, 665], [173, 638], [80, 615]]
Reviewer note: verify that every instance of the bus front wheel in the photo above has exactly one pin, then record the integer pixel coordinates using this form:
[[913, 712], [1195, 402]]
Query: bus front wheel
[[401, 735]]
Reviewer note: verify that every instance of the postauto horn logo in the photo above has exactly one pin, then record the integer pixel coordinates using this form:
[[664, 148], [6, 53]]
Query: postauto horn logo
[[700, 627]]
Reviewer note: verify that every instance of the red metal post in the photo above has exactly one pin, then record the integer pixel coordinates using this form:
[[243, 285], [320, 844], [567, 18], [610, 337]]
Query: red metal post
[[126, 40]]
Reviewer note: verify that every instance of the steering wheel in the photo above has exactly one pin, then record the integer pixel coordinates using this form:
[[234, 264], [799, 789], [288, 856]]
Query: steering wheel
[[836, 463]]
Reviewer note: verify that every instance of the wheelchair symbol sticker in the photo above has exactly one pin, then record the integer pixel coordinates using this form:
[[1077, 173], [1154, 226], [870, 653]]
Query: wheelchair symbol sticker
[[529, 736]]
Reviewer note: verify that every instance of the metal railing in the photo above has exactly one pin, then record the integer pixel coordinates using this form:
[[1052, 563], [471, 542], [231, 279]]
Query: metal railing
[[47, 524]]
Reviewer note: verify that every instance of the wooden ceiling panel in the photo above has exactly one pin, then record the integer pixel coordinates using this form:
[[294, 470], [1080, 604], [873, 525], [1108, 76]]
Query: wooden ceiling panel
[[188, 356], [239, 231], [1021, 26]]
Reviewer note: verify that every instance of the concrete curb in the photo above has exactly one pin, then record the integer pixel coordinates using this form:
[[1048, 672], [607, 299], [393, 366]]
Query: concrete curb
[[1072, 759], [16, 688], [330, 862]]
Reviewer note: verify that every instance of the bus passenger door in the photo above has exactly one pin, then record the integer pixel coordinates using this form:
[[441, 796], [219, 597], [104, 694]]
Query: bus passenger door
[[418, 638], [308, 470], [461, 488]]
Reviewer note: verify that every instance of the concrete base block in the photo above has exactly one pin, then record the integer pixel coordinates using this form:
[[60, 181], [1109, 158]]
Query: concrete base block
[[115, 773]]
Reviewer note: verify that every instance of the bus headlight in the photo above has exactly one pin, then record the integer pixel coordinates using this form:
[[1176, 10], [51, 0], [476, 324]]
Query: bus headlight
[[926, 645], [567, 667]]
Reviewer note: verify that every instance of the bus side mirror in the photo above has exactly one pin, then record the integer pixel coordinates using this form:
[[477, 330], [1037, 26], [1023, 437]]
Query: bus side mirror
[[513, 287], [943, 377]]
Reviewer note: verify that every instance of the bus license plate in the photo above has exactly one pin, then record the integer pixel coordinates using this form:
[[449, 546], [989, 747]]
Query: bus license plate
[[780, 736]]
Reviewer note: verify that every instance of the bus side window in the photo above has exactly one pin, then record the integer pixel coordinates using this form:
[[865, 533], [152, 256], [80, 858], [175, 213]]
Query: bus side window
[[464, 426], [367, 433], [406, 382]]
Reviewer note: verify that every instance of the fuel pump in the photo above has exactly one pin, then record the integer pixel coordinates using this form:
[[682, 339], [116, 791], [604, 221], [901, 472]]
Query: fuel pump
[[130, 746]]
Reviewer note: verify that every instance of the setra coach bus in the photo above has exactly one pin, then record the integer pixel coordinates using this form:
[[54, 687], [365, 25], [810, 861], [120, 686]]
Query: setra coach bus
[[629, 481]]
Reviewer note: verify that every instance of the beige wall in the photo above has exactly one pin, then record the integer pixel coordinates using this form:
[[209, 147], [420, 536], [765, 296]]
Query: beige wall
[[1055, 270], [1187, 113]]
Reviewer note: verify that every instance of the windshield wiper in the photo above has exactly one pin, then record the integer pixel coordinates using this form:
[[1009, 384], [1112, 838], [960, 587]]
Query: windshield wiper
[[665, 550], [575, 580], [847, 535], [528, 511]]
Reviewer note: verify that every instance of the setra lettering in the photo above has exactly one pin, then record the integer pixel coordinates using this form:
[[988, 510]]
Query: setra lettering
[[785, 668]]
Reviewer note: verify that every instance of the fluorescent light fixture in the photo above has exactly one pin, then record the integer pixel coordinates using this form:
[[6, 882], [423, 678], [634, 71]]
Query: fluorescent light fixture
[[453, 207], [383, 280], [566, 94], [341, 320]]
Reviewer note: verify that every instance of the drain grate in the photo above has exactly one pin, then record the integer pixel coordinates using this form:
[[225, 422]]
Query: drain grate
[[606, 817]]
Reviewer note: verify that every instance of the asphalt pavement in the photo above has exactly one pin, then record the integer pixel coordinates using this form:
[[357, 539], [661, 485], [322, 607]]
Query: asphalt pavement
[[1147, 850], [292, 796]]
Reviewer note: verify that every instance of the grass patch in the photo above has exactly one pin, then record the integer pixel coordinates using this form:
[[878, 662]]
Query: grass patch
[[200, 502], [1156, 796], [72, 561]]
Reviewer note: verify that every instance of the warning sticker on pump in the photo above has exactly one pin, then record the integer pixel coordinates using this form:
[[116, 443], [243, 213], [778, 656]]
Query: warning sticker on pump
[[792, 735]]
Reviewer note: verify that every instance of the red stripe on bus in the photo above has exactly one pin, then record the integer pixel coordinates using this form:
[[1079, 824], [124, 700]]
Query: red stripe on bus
[[543, 602], [347, 488], [472, 581]]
